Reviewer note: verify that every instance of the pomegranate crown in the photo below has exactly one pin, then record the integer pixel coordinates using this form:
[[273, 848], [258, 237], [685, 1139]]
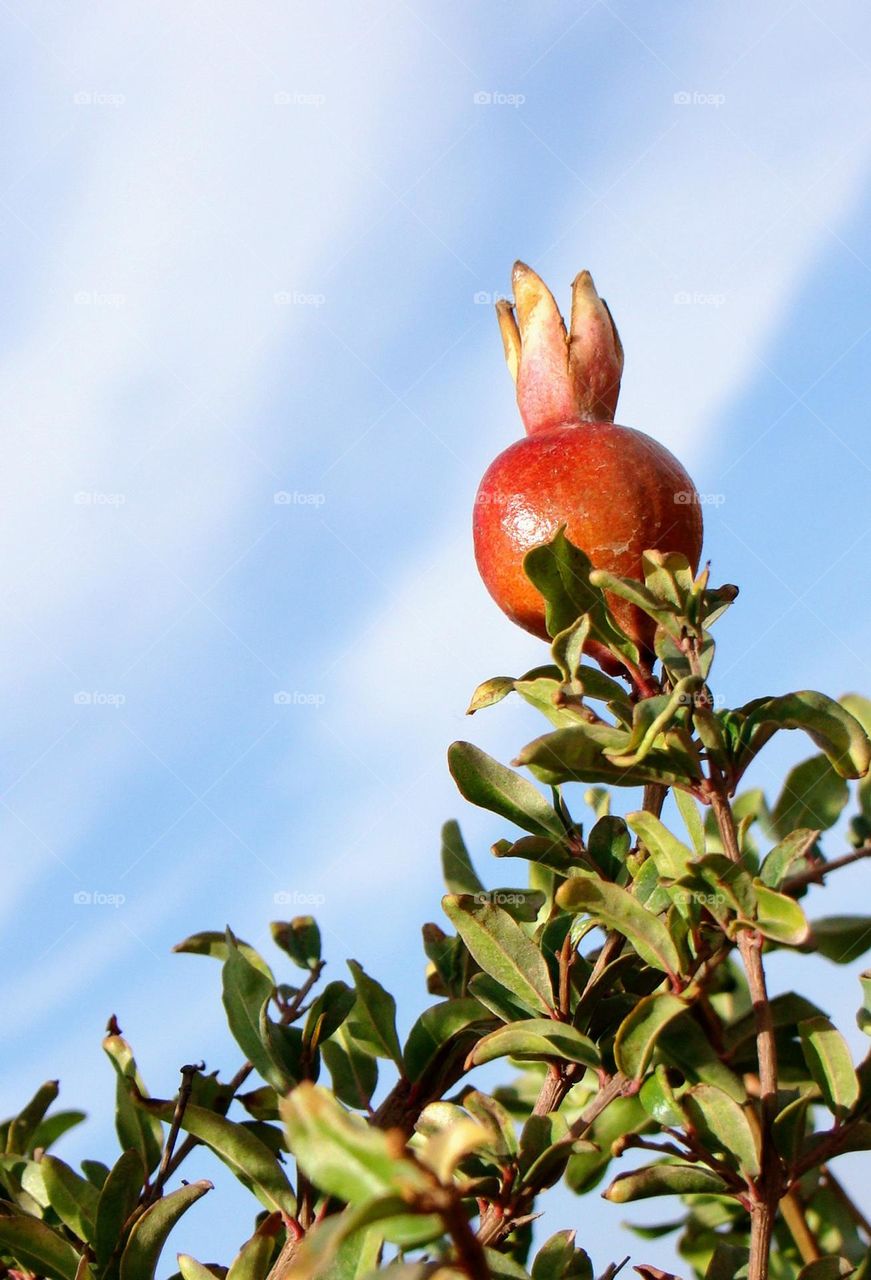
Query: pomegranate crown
[[562, 376]]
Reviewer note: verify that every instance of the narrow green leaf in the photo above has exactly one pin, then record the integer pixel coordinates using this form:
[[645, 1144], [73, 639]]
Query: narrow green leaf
[[376, 1010], [780, 917], [778, 863], [617, 909], [53, 1127], [725, 1124], [253, 1259], [38, 1248], [838, 734], [190, 1269], [813, 797], [353, 1071], [842, 939], [490, 785], [212, 943], [327, 1013], [118, 1198], [148, 1236], [669, 854], [638, 1033], [24, 1125], [693, 821], [457, 870], [496, 998], [502, 949], [489, 693], [436, 1028], [537, 1040], [250, 1159], [578, 754], [246, 994], [665, 1180], [559, 1259], [134, 1126], [863, 1017], [72, 1197], [831, 1268], [829, 1062]]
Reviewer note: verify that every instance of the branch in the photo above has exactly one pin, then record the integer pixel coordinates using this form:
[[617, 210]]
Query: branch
[[815, 874]]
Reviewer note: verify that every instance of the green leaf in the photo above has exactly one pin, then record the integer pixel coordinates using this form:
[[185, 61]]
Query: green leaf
[[832, 1268], [608, 845], [617, 909], [689, 811], [342, 1154], [502, 949], [537, 1040], [669, 854], [38, 1248], [246, 993], [190, 1269], [457, 870], [559, 1259], [790, 1127], [830, 726], [376, 1011], [135, 1127], [299, 938], [863, 1017], [253, 1259], [577, 754], [779, 917], [842, 939], [638, 1033], [496, 998], [353, 1071], [445, 1023], [489, 693], [72, 1197], [813, 796], [212, 943], [249, 1159], [24, 1125], [776, 867], [561, 572], [327, 1013], [118, 1198], [665, 1180], [148, 1236], [725, 1124], [490, 785], [830, 1064]]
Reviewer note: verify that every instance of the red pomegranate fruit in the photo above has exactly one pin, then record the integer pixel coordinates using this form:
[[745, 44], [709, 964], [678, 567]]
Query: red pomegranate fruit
[[618, 492]]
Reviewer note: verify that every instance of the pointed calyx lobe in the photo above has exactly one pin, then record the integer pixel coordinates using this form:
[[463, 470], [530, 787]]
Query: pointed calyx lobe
[[562, 377]]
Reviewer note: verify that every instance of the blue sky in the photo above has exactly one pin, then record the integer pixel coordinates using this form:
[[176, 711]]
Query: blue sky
[[244, 252]]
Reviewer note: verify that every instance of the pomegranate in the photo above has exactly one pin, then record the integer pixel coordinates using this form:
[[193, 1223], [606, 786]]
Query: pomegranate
[[618, 492]]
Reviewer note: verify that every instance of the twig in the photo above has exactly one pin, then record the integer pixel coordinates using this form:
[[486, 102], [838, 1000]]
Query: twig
[[815, 874], [187, 1079]]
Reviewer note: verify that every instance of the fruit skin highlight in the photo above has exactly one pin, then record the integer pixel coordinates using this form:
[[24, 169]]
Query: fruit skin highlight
[[618, 492]]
